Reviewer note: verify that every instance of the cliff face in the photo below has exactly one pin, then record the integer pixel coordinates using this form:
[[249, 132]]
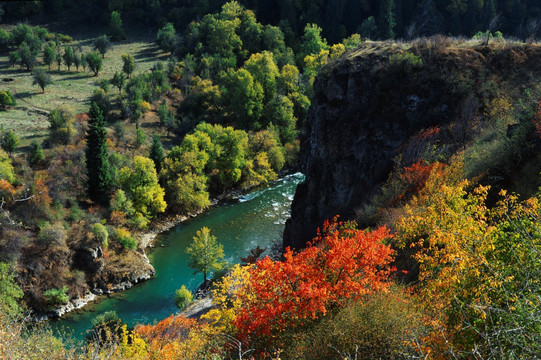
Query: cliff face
[[370, 103]]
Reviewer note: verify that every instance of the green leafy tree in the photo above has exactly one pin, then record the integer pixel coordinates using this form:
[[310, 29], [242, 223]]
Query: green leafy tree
[[58, 58], [183, 298], [167, 38], [101, 44], [118, 80], [27, 56], [166, 116], [156, 152], [36, 155], [10, 292], [280, 112], [14, 58], [244, 98], [368, 27], [68, 56], [128, 64], [56, 297], [62, 129], [42, 79], [140, 137], [76, 61], [97, 164], [140, 182], [94, 62], [49, 54], [6, 99], [10, 141], [265, 71], [115, 27], [205, 253], [312, 42]]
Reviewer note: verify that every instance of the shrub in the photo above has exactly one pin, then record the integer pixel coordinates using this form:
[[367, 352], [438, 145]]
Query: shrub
[[101, 234], [183, 298], [6, 99], [106, 326], [125, 239], [406, 62], [56, 297], [382, 326]]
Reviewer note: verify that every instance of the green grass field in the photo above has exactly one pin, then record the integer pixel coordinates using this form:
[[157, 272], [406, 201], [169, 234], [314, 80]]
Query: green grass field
[[29, 118]]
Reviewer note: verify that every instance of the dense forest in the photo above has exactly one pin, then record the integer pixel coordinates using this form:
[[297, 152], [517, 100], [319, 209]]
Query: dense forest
[[106, 136], [339, 18]]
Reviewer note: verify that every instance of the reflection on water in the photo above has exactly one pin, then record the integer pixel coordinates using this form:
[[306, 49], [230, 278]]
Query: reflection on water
[[255, 219]]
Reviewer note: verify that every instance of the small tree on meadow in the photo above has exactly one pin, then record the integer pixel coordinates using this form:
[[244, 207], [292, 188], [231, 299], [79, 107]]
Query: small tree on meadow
[[128, 64], [10, 141], [68, 56], [49, 54], [94, 62], [118, 80], [167, 38], [101, 44], [206, 254], [42, 79], [14, 58]]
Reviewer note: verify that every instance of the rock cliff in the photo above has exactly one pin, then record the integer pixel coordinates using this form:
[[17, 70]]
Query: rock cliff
[[371, 102]]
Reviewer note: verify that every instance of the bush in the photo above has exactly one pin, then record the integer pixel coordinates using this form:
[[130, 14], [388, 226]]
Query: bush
[[101, 234], [105, 327], [183, 298], [382, 326], [6, 99], [125, 239], [406, 62], [56, 297]]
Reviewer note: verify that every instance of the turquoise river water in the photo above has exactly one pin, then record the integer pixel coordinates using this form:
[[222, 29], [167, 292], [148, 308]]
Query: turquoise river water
[[255, 219]]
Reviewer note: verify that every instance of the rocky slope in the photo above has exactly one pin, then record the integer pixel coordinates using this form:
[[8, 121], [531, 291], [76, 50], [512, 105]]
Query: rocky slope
[[371, 106]]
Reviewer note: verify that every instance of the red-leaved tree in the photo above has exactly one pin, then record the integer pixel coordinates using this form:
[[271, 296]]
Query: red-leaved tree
[[340, 264]]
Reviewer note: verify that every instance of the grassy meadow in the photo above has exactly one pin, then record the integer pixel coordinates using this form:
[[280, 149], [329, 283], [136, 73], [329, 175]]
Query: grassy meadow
[[73, 88]]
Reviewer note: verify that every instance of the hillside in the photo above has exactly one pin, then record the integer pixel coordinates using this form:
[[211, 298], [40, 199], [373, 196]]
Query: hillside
[[386, 106]]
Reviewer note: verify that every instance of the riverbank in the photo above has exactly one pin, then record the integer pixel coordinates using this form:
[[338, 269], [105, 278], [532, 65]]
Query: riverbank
[[144, 271]]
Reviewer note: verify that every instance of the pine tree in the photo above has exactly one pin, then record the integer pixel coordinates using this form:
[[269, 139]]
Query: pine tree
[[99, 176], [156, 153], [388, 19]]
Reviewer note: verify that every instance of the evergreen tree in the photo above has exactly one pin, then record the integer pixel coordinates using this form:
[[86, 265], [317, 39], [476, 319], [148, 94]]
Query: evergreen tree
[[99, 177], [388, 19], [115, 27], [68, 56], [49, 54], [10, 141], [36, 155], [156, 153]]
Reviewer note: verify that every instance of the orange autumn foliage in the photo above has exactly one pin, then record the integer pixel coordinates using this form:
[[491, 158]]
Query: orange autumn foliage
[[341, 263], [175, 337]]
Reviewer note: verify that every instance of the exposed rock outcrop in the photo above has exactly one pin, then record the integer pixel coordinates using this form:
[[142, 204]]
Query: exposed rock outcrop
[[366, 108]]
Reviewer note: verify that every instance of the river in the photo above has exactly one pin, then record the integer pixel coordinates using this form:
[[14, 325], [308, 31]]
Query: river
[[255, 219]]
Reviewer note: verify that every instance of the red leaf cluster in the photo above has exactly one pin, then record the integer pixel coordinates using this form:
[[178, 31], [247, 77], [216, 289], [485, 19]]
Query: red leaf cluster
[[339, 264]]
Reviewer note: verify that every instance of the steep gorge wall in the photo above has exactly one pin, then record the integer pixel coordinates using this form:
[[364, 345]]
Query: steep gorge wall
[[366, 109]]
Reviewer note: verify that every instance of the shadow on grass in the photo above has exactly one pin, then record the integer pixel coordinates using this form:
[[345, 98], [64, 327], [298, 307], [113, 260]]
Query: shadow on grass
[[150, 53], [26, 94], [74, 78]]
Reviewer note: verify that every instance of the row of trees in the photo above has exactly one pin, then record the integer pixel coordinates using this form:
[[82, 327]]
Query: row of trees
[[339, 18]]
